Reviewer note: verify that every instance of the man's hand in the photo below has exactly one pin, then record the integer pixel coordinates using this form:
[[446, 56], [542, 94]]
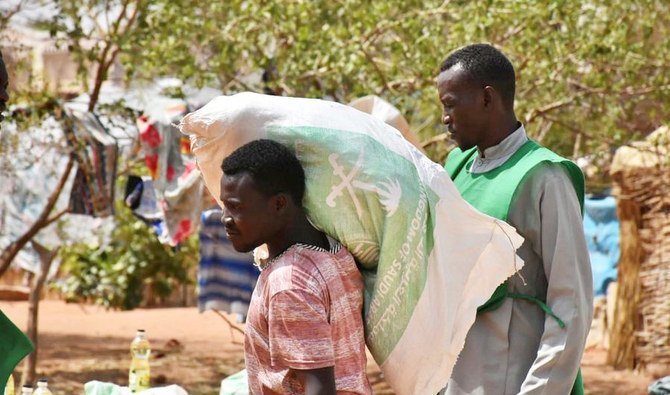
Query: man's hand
[[317, 381]]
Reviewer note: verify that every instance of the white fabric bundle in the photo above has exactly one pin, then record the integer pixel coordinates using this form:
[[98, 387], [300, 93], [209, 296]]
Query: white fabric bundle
[[436, 258], [385, 111]]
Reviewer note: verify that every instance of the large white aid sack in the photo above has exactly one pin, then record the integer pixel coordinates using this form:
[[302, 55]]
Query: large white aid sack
[[381, 109], [436, 258]]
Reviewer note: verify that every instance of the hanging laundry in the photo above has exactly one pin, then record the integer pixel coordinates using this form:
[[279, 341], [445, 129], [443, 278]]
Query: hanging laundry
[[96, 153], [140, 197], [226, 278], [182, 206], [29, 176], [177, 184], [161, 144]]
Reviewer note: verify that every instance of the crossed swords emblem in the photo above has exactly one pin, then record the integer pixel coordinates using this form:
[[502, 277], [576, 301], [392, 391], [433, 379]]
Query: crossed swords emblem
[[389, 191]]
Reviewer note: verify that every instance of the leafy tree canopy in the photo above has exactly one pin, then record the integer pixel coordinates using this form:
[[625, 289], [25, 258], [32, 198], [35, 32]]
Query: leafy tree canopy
[[591, 75]]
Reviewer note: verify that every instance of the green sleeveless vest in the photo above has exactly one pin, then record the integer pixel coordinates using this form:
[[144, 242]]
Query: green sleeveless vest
[[492, 193]]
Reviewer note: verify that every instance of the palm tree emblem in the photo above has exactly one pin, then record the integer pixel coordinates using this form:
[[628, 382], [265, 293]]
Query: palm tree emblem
[[389, 191]]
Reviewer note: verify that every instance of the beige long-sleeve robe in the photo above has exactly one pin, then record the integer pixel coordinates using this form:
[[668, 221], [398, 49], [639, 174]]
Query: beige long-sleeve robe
[[517, 349]]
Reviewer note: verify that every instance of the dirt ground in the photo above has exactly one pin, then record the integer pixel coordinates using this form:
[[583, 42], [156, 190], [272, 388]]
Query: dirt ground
[[80, 343]]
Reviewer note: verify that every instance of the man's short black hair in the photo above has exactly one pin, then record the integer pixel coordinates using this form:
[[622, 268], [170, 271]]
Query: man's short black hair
[[274, 168], [486, 65]]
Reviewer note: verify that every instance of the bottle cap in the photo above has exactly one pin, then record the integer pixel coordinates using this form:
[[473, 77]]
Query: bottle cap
[[42, 380], [28, 387]]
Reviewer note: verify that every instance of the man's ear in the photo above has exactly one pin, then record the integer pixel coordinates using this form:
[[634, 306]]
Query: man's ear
[[280, 202], [490, 94]]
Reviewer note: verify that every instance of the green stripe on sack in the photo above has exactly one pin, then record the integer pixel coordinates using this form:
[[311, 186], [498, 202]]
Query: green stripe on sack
[[366, 195]]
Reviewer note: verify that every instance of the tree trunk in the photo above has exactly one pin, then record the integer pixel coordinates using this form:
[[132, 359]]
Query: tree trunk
[[100, 77], [30, 364]]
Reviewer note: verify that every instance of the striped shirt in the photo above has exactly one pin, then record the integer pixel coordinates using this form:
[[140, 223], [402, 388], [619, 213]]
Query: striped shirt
[[306, 313]]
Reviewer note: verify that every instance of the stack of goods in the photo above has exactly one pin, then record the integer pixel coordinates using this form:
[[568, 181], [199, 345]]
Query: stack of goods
[[178, 186]]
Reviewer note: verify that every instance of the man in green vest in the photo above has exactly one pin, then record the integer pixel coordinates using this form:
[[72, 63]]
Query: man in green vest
[[530, 336]]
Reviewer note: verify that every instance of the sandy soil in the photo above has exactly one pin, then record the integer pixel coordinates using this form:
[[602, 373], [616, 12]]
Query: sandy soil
[[79, 343]]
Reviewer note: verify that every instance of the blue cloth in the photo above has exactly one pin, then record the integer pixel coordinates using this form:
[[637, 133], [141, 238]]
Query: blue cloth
[[601, 228], [226, 278]]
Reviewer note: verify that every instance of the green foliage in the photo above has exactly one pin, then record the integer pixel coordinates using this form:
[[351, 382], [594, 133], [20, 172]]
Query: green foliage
[[591, 75], [94, 32], [116, 275], [42, 105]]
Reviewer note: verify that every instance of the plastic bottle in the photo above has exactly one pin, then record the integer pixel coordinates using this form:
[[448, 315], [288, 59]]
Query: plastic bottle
[[26, 390], [9, 387], [139, 376], [42, 388]]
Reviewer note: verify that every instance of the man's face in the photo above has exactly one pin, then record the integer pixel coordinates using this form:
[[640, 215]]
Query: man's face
[[4, 82], [250, 217], [462, 107]]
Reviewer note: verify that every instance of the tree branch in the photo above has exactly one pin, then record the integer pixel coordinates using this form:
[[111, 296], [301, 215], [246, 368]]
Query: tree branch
[[105, 59], [56, 217], [10, 252], [46, 258], [586, 88], [434, 140], [117, 22], [100, 76], [645, 90], [548, 108], [231, 326], [94, 18], [131, 19], [513, 32], [380, 73]]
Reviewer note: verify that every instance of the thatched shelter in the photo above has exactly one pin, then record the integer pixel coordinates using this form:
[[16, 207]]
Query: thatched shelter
[[640, 335]]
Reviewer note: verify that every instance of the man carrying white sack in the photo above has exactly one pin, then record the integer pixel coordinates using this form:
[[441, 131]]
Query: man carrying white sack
[[529, 337], [429, 259]]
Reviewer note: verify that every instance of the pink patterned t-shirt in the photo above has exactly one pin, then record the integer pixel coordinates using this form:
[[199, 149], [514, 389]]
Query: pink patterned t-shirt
[[306, 313]]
